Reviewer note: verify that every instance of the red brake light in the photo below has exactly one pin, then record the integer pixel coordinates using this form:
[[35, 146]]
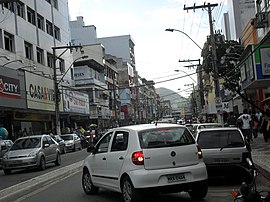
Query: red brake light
[[138, 158], [199, 152]]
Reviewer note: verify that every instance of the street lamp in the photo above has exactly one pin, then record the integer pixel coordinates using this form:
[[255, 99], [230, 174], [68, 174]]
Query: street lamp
[[171, 30], [28, 66], [178, 70], [12, 62]]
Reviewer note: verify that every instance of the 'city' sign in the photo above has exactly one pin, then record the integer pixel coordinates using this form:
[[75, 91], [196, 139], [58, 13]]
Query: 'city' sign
[[9, 87]]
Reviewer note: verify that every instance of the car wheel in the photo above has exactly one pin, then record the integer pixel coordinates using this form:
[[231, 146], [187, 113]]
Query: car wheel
[[7, 171], [87, 184], [199, 191], [74, 149], [42, 163], [80, 147], [129, 193], [58, 160]]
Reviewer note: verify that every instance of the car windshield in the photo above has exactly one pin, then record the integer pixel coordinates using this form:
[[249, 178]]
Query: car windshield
[[165, 137], [26, 143], [220, 139], [67, 137]]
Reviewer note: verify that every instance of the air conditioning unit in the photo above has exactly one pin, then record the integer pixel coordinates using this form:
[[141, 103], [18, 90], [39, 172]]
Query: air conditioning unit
[[260, 20]]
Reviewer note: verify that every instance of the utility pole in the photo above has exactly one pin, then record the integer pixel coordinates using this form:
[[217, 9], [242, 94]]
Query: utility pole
[[214, 52]]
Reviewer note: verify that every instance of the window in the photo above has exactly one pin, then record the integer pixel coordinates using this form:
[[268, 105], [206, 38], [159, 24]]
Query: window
[[31, 16], [219, 139], [20, 9], [9, 42], [62, 65], [40, 56], [9, 6], [57, 33], [28, 50], [55, 4], [103, 145], [40, 22], [50, 60], [120, 141], [49, 28], [165, 137]]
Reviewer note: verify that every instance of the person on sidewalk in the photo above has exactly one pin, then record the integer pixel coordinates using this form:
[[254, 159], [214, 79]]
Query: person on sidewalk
[[245, 126], [265, 125]]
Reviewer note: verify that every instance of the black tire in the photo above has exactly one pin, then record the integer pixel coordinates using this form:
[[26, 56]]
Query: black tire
[[7, 171], [42, 163], [57, 160], [87, 184], [129, 193], [199, 191], [74, 149]]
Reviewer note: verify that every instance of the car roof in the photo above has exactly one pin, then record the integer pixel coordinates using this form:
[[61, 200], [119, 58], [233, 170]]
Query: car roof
[[141, 127], [33, 136], [219, 129]]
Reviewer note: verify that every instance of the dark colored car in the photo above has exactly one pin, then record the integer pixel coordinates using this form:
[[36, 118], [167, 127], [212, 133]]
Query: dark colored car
[[61, 143]]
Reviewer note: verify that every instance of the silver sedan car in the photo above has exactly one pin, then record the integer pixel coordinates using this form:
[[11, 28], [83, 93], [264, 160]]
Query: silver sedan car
[[31, 151]]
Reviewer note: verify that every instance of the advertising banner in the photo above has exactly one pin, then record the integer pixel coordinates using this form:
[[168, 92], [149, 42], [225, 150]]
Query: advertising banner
[[76, 102]]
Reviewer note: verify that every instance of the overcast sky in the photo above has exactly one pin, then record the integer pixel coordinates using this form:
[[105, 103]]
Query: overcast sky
[[156, 52]]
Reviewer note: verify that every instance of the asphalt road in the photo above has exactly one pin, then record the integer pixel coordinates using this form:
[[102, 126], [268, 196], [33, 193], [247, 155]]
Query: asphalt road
[[70, 190], [18, 176]]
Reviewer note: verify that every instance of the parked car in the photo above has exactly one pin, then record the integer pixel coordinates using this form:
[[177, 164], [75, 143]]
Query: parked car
[[72, 141], [61, 143], [198, 126], [133, 159], [31, 151], [224, 149], [4, 147]]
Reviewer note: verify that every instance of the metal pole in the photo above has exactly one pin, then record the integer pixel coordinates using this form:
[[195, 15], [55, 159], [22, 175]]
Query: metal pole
[[56, 96]]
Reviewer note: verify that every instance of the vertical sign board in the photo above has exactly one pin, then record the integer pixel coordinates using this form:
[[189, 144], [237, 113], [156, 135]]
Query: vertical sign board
[[262, 61], [12, 88], [40, 93], [76, 102]]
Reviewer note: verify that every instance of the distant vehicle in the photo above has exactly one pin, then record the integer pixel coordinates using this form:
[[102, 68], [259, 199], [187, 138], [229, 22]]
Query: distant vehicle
[[180, 121], [61, 143], [31, 151], [224, 149], [4, 147], [197, 126], [147, 157], [72, 141]]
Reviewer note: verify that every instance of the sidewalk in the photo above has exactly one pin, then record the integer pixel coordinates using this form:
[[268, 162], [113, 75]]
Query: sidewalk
[[260, 152]]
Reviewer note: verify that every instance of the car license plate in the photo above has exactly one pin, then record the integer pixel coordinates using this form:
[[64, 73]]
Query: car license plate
[[176, 178], [221, 160]]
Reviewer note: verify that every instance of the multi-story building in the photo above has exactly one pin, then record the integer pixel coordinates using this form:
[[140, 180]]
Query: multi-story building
[[27, 63]]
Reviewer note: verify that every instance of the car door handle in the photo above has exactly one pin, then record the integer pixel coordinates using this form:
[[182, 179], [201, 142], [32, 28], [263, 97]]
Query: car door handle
[[104, 158], [121, 158]]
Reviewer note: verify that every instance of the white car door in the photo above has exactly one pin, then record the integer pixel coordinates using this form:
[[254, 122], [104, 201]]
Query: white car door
[[98, 161], [116, 157]]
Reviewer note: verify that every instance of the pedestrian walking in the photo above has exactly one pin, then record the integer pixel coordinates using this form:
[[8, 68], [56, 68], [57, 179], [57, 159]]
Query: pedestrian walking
[[232, 120], [245, 126], [265, 125], [255, 125]]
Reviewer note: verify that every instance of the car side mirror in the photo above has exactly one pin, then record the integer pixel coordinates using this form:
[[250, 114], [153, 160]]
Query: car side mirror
[[91, 149], [46, 145]]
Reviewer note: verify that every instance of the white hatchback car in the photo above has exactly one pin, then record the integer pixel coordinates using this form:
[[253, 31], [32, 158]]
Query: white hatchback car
[[132, 159]]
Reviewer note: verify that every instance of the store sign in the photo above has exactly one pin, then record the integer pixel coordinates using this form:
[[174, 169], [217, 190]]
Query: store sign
[[265, 61], [9, 87], [40, 92], [75, 101]]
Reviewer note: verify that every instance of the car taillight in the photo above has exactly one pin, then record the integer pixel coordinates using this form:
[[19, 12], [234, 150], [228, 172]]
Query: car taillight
[[199, 152], [138, 158]]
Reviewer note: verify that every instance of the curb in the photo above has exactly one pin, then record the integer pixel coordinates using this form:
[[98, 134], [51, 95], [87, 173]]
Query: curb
[[263, 171], [24, 188]]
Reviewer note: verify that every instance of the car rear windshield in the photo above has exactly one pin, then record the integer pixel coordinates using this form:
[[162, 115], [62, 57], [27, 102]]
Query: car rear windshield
[[220, 139], [165, 137], [26, 143]]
